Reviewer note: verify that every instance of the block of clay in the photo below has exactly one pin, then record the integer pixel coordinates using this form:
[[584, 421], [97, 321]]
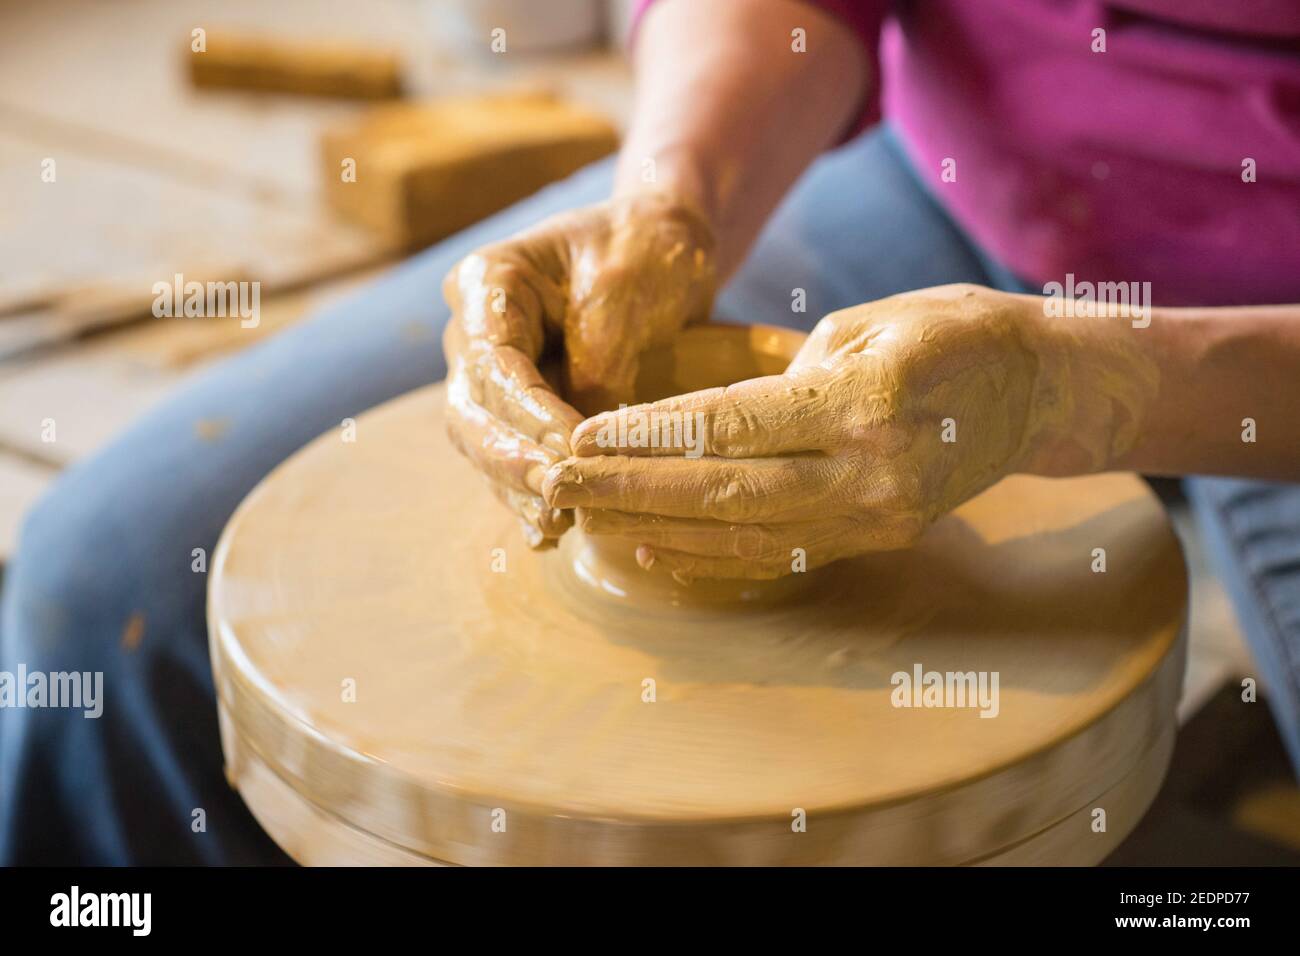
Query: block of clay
[[416, 172], [313, 68]]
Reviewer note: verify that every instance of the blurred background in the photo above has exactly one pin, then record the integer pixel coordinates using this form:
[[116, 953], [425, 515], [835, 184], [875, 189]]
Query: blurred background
[[146, 139], [128, 157]]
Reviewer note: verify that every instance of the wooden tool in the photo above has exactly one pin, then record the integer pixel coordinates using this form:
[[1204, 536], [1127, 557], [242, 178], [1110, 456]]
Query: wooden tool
[[401, 680]]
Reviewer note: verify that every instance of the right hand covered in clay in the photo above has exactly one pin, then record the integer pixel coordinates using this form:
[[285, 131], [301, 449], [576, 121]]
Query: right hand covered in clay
[[892, 413], [594, 288]]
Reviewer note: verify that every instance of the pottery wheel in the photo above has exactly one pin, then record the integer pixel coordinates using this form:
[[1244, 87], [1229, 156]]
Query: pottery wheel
[[401, 680]]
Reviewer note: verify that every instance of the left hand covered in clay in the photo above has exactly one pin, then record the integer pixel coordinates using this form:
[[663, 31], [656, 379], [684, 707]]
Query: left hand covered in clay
[[597, 287], [891, 414]]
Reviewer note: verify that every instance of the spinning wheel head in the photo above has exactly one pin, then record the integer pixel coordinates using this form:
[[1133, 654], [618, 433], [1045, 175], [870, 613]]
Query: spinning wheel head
[[400, 679]]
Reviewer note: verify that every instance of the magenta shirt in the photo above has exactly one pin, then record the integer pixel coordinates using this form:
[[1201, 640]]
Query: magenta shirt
[[1125, 165]]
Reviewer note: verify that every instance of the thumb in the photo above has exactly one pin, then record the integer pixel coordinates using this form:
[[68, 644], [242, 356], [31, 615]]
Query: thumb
[[602, 357]]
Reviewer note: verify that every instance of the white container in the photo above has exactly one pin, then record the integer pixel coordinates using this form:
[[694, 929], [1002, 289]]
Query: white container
[[529, 25], [620, 21]]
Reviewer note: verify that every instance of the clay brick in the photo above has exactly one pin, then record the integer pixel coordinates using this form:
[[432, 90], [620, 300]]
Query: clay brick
[[314, 68], [427, 170]]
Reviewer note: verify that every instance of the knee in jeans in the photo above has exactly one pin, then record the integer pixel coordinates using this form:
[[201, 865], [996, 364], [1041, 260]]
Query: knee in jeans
[[94, 562]]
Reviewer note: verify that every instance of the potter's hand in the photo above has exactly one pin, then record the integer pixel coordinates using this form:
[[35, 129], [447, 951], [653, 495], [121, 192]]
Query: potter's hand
[[592, 289], [892, 413]]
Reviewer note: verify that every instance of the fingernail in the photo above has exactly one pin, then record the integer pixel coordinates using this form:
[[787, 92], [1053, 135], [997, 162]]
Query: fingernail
[[645, 557], [570, 495], [586, 438]]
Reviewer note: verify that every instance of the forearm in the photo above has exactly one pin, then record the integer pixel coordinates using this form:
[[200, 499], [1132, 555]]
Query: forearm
[[1208, 391], [728, 115], [1219, 369]]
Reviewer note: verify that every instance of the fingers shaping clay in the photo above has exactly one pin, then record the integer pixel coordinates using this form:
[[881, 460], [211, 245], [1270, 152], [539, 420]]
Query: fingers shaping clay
[[894, 412], [268, 64], [426, 170], [401, 680], [596, 288]]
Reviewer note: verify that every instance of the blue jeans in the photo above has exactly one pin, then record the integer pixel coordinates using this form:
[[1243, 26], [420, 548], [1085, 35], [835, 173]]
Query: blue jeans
[[104, 579], [1252, 534]]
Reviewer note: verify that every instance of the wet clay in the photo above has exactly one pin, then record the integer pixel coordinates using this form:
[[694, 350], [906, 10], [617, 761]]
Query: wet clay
[[588, 292], [401, 679]]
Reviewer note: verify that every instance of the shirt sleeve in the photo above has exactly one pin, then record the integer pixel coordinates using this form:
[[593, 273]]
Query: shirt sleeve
[[864, 18]]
